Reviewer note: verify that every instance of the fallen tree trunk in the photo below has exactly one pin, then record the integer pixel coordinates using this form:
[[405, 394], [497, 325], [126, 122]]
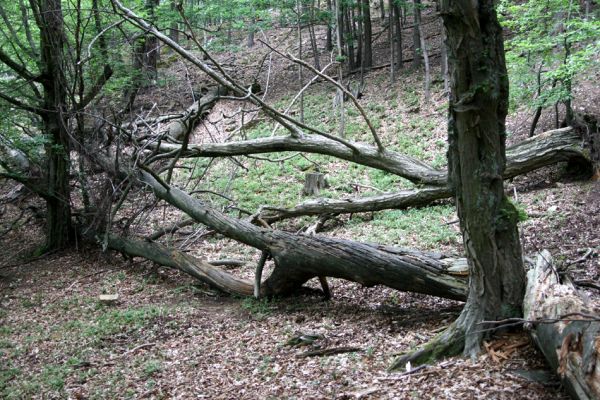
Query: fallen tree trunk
[[299, 258], [179, 127], [389, 161], [541, 150], [564, 329], [171, 258], [545, 149], [400, 200]]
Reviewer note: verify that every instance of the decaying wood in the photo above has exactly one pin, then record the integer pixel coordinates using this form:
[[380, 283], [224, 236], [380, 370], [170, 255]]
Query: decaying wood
[[399, 200], [544, 149], [179, 127], [569, 341], [299, 257], [328, 352], [313, 183]]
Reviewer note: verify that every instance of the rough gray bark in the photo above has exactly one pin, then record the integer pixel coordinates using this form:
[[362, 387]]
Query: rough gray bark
[[179, 127], [544, 149], [477, 134], [58, 220], [313, 183], [400, 200], [478, 107], [299, 257], [367, 60], [569, 340]]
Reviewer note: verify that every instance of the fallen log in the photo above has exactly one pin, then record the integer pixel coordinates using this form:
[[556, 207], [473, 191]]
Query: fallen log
[[564, 329], [399, 200], [536, 152], [299, 258]]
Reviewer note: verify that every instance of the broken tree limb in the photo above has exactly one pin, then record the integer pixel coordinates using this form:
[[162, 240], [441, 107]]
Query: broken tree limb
[[542, 150], [389, 161], [179, 127], [195, 267], [400, 200], [570, 342], [258, 273]]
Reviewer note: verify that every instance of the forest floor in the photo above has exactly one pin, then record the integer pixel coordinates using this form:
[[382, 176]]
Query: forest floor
[[168, 336]]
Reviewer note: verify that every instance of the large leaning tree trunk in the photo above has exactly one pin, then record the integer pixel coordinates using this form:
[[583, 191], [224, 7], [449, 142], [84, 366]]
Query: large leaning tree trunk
[[55, 124], [488, 221]]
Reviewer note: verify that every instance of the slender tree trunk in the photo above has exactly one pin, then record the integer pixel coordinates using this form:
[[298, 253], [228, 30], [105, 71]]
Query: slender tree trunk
[[444, 56], [425, 62], [329, 39], [397, 18], [300, 70], [391, 40], [348, 23], [98, 26], [382, 10], [313, 39], [368, 35], [58, 225], [173, 30], [416, 34], [340, 56]]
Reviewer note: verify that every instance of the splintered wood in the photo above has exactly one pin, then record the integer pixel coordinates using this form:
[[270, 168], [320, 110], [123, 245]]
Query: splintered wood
[[564, 329]]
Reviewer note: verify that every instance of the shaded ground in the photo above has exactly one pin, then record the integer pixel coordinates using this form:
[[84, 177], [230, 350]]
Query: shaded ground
[[167, 337]]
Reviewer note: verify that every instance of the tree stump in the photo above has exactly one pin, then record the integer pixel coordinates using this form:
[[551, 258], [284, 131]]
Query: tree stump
[[313, 183]]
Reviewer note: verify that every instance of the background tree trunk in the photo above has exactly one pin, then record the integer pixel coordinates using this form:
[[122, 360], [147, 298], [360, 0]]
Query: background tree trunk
[[368, 35], [416, 34], [58, 224]]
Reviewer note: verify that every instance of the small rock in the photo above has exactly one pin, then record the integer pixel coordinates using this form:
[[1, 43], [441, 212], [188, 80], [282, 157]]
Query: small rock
[[108, 298]]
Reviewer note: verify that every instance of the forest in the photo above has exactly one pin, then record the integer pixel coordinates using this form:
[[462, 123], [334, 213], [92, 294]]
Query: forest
[[300, 199]]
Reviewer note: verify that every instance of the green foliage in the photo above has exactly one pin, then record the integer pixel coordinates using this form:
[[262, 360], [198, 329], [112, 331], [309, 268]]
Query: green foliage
[[152, 367], [553, 37], [115, 321], [259, 308]]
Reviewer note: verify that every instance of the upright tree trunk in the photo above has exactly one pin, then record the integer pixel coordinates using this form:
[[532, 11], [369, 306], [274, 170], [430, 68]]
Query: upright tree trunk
[[174, 28], [391, 40], [58, 228], [368, 35], [340, 57], [476, 161], [476, 157], [425, 61], [313, 39], [397, 19], [300, 74], [416, 34], [444, 57], [329, 39]]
